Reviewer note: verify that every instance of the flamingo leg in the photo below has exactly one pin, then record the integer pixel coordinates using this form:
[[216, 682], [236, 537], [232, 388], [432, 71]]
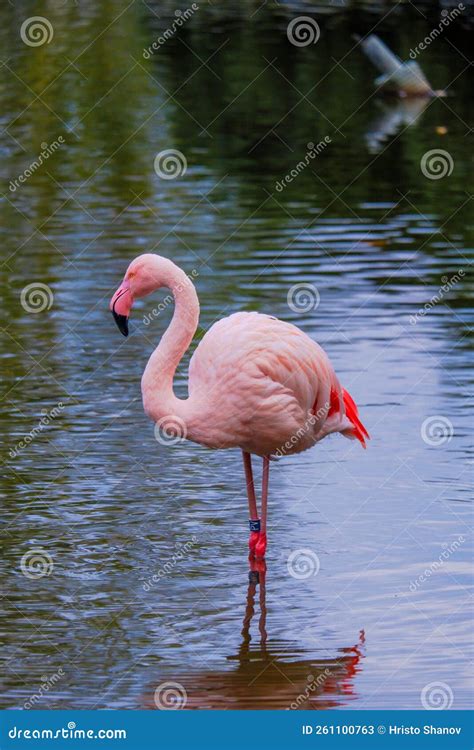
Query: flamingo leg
[[261, 545], [253, 512]]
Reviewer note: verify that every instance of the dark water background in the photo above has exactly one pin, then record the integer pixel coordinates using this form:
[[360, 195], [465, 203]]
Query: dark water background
[[108, 503]]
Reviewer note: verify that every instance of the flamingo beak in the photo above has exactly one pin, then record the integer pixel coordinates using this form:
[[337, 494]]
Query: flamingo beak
[[122, 322], [120, 306]]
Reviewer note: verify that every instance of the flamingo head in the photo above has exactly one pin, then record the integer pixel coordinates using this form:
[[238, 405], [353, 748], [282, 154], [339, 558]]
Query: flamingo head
[[141, 278]]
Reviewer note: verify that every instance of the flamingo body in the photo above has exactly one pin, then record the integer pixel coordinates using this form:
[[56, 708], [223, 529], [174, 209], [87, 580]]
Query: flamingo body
[[255, 382], [267, 387]]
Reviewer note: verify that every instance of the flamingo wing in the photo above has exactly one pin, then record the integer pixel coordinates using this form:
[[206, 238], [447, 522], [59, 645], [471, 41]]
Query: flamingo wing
[[264, 381]]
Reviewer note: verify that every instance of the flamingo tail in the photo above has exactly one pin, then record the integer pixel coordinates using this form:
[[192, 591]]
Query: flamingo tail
[[358, 430]]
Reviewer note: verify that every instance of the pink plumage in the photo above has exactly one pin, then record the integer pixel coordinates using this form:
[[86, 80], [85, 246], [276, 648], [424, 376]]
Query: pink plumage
[[255, 382]]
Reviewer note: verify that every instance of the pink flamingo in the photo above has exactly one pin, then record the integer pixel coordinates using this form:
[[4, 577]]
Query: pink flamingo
[[255, 382]]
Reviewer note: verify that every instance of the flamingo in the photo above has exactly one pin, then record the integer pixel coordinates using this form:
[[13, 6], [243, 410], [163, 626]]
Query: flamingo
[[255, 382]]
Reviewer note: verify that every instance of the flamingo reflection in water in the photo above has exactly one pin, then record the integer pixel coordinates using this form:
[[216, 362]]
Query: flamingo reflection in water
[[265, 677]]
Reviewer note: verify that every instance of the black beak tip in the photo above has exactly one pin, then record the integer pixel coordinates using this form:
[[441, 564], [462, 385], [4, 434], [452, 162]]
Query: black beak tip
[[122, 322]]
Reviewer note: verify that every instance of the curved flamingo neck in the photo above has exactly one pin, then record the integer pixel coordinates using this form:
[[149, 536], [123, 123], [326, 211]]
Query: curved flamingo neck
[[159, 399]]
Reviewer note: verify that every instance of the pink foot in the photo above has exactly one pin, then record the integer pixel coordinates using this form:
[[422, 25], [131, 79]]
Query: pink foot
[[261, 546], [261, 567], [253, 539]]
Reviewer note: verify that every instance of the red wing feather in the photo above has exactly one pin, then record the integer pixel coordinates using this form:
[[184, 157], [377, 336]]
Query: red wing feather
[[352, 413]]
